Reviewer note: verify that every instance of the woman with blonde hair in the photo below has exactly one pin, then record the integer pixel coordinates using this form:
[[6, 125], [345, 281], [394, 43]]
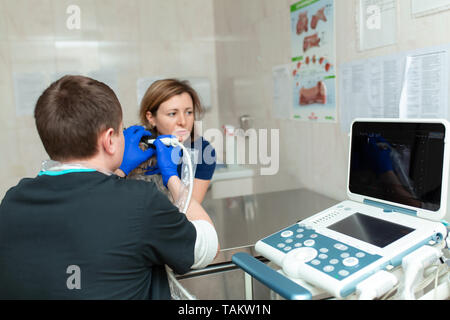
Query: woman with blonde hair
[[170, 107]]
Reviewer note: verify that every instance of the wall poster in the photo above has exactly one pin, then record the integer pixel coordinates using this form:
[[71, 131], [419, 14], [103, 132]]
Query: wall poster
[[313, 61]]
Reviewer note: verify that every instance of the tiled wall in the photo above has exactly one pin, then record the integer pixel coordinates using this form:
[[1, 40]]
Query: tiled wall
[[122, 39]]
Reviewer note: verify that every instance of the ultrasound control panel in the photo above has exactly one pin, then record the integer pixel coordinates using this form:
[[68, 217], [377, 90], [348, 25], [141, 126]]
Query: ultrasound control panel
[[345, 244], [336, 259]]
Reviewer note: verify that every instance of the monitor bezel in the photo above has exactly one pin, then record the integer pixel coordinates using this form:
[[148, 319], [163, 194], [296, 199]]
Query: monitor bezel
[[420, 212]]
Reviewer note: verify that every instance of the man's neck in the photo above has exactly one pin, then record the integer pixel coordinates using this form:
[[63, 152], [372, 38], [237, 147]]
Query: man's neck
[[92, 163]]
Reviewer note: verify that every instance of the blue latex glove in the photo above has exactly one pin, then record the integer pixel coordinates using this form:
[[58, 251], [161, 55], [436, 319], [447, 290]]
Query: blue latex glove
[[168, 158], [133, 156], [379, 157], [151, 170]]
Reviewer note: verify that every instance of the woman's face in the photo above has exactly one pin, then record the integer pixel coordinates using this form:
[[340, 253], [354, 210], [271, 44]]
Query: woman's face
[[174, 116]]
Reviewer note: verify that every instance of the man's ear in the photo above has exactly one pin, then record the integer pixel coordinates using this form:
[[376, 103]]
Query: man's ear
[[107, 141]]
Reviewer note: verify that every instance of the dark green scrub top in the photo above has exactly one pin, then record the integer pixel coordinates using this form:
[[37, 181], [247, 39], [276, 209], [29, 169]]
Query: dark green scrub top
[[85, 235]]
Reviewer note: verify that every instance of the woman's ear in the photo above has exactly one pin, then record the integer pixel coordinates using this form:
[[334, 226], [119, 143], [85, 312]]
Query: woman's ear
[[150, 119]]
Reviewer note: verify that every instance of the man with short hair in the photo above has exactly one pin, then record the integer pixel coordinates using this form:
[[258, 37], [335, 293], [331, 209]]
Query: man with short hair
[[79, 230]]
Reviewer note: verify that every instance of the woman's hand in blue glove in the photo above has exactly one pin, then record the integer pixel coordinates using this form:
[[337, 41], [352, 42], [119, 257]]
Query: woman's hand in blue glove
[[168, 158], [133, 156]]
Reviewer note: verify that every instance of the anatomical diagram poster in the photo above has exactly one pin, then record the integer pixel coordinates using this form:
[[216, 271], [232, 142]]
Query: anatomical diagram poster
[[313, 61]]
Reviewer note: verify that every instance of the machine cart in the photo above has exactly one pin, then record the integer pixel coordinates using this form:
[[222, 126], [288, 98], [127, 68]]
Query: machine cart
[[240, 222]]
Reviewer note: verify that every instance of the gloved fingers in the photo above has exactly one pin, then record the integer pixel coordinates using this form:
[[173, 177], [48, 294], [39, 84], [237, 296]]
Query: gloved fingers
[[133, 129], [152, 173], [133, 154], [140, 133], [166, 136], [158, 144], [148, 153], [175, 152], [151, 170], [176, 155], [130, 133]]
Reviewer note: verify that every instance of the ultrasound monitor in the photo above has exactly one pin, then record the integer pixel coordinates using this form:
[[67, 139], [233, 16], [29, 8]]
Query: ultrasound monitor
[[399, 162]]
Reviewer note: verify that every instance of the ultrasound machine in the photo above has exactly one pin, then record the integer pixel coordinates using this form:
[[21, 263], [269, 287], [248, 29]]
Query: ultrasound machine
[[388, 240]]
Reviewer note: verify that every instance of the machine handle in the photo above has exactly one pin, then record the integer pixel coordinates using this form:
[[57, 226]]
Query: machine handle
[[285, 287]]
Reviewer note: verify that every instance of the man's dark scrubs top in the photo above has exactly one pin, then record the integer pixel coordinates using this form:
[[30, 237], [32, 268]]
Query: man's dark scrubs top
[[119, 232]]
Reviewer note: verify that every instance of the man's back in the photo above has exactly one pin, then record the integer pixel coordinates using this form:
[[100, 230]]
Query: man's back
[[86, 235]]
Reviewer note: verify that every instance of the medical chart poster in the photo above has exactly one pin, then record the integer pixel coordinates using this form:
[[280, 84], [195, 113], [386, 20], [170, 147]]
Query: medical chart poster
[[314, 91], [313, 60]]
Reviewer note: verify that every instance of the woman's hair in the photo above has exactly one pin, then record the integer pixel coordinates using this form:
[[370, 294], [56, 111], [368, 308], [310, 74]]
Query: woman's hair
[[161, 91], [71, 113]]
